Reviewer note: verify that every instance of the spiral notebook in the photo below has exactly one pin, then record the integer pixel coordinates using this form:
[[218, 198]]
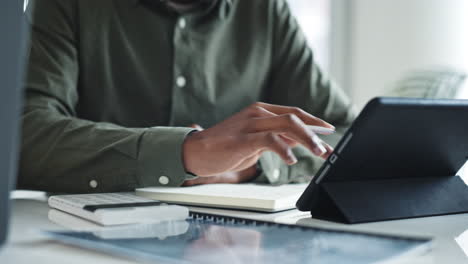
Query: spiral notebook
[[207, 238]]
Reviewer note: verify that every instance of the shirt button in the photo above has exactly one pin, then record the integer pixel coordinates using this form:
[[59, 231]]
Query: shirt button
[[93, 184], [276, 174], [182, 23], [181, 81], [164, 180]]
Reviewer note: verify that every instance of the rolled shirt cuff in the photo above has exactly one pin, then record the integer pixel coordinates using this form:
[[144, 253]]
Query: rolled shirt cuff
[[160, 161]]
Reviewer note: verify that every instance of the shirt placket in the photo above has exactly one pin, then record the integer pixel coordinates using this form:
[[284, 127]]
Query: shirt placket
[[181, 75]]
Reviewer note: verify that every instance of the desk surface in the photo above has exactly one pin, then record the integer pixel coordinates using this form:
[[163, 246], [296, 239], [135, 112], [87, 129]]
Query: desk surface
[[30, 215]]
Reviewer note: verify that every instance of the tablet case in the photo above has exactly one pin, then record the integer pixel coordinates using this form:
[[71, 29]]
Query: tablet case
[[398, 160]]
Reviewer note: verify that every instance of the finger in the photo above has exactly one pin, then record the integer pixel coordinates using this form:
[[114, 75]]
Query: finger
[[190, 182], [329, 150], [248, 162], [257, 111], [227, 177], [303, 115], [198, 181], [291, 142], [272, 142], [197, 127], [292, 127]]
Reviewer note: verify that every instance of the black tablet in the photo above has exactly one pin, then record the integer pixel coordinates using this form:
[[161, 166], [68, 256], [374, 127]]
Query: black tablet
[[399, 159]]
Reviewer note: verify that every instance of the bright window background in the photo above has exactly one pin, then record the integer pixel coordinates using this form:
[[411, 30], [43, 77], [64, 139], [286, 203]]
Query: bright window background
[[314, 19], [367, 50], [391, 38]]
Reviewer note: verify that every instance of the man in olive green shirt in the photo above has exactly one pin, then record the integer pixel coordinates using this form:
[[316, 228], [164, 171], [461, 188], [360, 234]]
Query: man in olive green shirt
[[113, 86]]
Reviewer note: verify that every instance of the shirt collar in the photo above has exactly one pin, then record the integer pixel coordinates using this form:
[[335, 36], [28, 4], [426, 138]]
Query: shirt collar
[[224, 7]]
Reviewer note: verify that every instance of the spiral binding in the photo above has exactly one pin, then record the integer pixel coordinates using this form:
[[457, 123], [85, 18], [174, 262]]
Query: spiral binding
[[238, 221]]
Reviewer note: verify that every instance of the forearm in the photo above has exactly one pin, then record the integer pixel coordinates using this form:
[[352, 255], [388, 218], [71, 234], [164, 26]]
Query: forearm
[[66, 154]]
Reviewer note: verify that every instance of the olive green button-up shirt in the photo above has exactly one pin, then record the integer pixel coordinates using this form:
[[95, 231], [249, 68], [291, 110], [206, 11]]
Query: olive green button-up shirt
[[112, 86]]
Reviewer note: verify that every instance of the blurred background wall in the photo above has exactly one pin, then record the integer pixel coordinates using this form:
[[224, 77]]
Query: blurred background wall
[[367, 45]]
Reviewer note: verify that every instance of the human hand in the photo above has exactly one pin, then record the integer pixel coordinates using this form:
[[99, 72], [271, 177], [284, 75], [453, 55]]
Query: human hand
[[227, 177], [237, 143]]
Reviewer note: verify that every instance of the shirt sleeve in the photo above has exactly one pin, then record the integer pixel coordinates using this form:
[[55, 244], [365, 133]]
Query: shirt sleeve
[[63, 153], [296, 80]]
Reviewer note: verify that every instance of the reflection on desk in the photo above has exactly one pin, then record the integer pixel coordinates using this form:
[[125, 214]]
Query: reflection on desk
[[29, 215], [209, 239], [145, 230], [462, 241]]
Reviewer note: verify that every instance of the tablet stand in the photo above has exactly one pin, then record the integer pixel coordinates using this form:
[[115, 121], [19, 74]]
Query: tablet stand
[[361, 201]]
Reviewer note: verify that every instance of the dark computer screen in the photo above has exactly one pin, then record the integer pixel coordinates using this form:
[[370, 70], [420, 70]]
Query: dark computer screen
[[12, 41]]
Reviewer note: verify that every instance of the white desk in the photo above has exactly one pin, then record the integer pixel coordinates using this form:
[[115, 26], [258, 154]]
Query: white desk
[[29, 215]]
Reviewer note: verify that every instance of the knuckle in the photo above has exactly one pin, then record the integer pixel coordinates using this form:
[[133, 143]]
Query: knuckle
[[297, 111], [291, 118], [271, 137], [254, 109], [255, 105]]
